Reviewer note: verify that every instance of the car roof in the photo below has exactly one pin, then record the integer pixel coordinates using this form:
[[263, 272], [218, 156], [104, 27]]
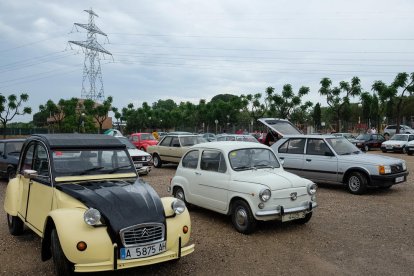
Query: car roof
[[228, 146], [78, 141]]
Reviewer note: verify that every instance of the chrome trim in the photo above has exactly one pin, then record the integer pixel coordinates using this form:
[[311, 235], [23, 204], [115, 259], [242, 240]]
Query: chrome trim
[[160, 226], [286, 211]]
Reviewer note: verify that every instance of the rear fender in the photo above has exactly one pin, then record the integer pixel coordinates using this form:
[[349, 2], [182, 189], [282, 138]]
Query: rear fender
[[11, 200]]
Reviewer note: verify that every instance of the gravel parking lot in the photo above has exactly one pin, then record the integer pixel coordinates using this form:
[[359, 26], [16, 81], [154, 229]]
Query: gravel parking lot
[[372, 234]]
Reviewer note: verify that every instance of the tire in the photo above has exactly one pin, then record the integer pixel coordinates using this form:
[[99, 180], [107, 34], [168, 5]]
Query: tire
[[242, 217], [62, 266], [366, 148], [404, 150], [15, 224], [383, 150], [304, 220], [11, 173], [179, 193], [356, 183], [157, 161]]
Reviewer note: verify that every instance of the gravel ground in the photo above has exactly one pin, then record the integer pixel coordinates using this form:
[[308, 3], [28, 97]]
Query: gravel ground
[[370, 234]]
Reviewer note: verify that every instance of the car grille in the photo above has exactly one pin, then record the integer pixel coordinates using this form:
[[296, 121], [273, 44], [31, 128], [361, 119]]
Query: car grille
[[396, 168], [142, 234], [139, 158]]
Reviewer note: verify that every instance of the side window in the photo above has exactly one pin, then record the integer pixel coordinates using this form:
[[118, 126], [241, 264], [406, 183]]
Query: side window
[[392, 127], [28, 158], [283, 147], [212, 160], [221, 139], [1, 148], [317, 147], [166, 142], [411, 138], [190, 160], [175, 142], [296, 146], [134, 138], [41, 162]]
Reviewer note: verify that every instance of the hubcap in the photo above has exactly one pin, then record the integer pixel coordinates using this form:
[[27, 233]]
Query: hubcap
[[366, 148], [241, 216], [155, 161], [354, 183], [180, 195]]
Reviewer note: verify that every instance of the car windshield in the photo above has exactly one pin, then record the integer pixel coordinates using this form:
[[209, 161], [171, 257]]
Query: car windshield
[[91, 162], [252, 158], [189, 141], [127, 143], [363, 137], [147, 136], [399, 137], [342, 146]]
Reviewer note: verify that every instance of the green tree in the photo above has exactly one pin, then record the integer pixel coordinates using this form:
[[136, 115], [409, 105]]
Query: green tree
[[338, 97], [98, 111], [10, 107], [253, 105], [317, 116]]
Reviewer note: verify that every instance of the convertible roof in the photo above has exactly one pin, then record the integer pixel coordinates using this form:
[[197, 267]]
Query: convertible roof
[[78, 141]]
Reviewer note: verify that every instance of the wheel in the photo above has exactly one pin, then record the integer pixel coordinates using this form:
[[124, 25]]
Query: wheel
[[61, 265], [404, 150], [384, 150], [179, 193], [142, 148], [304, 220], [357, 183], [366, 148], [15, 224], [157, 161], [242, 217], [11, 173]]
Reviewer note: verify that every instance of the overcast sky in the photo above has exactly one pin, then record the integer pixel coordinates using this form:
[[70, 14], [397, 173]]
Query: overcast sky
[[192, 50]]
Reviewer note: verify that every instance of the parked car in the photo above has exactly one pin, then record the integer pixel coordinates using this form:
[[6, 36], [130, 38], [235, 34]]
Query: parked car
[[142, 140], [397, 143], [80, 193], [113, 132], [409, 147], [172, 147], [179, 133], [346, 135], [9, 152], [390, 130], [244, 181], [330, 159], [368, 141], [236, 137], [141, 159]]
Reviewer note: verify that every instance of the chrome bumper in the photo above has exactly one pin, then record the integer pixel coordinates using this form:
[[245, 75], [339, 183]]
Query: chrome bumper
[[280, 211]]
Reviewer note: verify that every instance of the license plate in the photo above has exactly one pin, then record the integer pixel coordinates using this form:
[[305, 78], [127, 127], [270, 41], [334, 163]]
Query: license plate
[[399, 179], [293, 216], [389, 147], [138, 165], [142, 251]]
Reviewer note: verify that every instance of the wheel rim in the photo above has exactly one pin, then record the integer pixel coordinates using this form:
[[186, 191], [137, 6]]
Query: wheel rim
[[156, 161], [366, 148], [241, 216], [179, 194], [404, 150], [354, 183]]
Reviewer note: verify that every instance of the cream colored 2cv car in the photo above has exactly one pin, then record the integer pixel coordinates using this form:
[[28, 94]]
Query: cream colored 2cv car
[[244, 180], [81, 195]]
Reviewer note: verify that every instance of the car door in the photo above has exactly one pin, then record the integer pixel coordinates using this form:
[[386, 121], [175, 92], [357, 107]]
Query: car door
[[175, 150], [291, 153], [40, 193], [163, 148], [189, 172], [212, 181], [320, 163]]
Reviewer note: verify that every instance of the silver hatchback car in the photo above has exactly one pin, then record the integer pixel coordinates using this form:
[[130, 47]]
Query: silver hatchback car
[[330, 159]]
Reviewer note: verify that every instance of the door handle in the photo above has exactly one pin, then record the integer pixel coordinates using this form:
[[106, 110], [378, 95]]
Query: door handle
[[197, 173], [308, 160]]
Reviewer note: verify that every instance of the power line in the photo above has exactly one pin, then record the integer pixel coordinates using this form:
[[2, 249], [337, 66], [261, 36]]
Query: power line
[[29, 44]]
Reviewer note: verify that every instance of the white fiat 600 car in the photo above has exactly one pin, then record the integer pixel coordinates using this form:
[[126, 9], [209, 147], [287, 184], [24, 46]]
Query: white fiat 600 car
[[244, 181]]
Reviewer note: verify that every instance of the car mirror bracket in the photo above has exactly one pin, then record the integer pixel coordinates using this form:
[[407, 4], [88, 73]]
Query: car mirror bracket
[[30, 174]]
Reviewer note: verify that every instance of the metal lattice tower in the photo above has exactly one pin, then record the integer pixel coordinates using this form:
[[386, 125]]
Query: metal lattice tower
[[92, 74]]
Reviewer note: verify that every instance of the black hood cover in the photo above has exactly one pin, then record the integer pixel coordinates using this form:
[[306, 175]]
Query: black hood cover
[[121, 203]]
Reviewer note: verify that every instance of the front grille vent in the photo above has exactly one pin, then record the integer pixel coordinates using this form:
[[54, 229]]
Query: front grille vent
[[142, 234]]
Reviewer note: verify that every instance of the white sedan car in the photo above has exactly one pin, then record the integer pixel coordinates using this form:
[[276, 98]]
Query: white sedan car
[[397, 143], [244, 181]]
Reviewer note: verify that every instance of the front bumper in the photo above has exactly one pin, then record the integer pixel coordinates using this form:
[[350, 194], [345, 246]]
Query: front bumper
[[392, 148], [143, 169], [114, 263], [280, 211], [387, 180]]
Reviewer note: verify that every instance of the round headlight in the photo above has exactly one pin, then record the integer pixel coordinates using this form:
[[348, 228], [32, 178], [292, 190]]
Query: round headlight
[[92, 216], [265, 195], [178, 206], [312, 188]]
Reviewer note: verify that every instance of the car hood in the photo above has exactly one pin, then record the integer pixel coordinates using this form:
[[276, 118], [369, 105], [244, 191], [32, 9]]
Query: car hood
[[367, 158], [137, 152], [121, 203], [394, 142], [275, 179]]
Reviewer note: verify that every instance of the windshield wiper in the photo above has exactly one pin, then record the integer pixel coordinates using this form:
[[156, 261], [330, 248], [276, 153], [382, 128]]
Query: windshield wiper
[[244, 168], [89, 170], [118, 168], [264, 166], [346, 153]]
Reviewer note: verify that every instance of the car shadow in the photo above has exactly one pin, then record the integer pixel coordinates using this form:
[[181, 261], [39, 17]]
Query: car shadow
[[395, 189]]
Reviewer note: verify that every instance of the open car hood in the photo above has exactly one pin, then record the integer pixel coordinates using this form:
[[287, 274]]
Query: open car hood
[[280, 126]]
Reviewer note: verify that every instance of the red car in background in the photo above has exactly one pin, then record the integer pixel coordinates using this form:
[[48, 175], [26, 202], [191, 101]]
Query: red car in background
[[142, 140]]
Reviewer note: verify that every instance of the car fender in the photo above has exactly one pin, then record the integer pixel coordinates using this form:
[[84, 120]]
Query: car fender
[[11, 200], [175, 224], [179, 181], [353, 169], [71, 229]]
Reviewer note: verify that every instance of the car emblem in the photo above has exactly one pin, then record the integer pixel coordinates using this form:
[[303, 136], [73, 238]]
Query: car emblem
[[293, 196], [144, 233]]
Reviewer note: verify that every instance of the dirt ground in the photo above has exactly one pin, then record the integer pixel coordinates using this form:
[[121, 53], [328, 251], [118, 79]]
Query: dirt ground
[[372, 234]]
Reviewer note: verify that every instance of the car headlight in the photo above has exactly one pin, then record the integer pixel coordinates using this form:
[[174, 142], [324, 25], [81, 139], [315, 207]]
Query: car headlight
[[312, 188], [384, 169], [265, 195], [178, 206], [92, 216], [404, 165]]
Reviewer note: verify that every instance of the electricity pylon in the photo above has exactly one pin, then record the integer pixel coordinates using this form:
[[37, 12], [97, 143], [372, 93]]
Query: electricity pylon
[[92, 65]]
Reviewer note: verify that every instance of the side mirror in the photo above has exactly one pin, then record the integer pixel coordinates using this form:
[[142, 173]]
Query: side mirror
[[29, 174]]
